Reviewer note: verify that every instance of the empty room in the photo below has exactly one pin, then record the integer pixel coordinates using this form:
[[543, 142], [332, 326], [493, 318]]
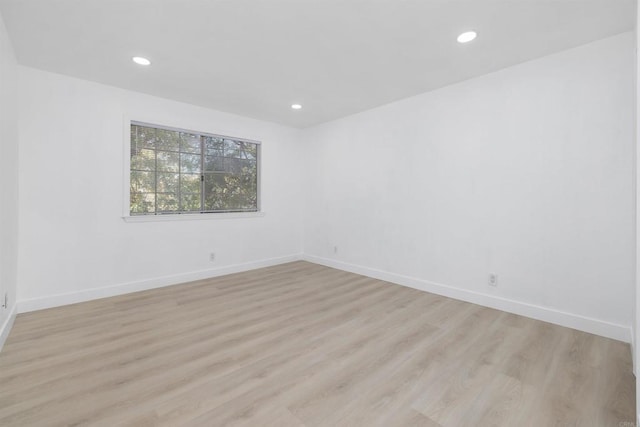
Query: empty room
[[319, 213]]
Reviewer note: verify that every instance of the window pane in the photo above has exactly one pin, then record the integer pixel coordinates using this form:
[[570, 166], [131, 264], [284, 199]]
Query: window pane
[[238, 166], [214, 192], [142, 137], [167, 202], [190, 163], [214, 146], [232, 148], [135, 143], [168, 161], [230, 192], [250, 167], [142, 203], [190, 202], [250, 151], [143, 182], [228, 164], [241, 150], [189, 143], [214, 164], [143, 159], [190, 183], [167, 183], [167, 140]]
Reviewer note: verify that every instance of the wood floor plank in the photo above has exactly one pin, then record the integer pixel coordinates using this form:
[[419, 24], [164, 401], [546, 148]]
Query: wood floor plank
[[301, 344], [205, 350]]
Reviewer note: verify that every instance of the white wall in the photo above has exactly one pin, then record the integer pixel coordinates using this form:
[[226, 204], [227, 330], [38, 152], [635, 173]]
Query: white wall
[[526, 172], [636, 311], [72, 235], [8, 179]]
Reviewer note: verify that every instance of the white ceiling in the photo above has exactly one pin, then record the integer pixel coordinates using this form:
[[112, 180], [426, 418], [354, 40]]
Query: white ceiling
[[335, 57]]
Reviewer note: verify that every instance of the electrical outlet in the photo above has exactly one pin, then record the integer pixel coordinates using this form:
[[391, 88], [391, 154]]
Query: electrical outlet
[[212, 257], [493, 279]]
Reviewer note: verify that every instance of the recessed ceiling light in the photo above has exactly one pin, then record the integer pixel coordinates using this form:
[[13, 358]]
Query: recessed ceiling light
[[296, 106], [140, 60], [466, 37]]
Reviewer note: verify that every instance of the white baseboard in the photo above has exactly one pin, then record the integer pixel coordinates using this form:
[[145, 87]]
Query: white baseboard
[[143, 285], [546, 314], [8, 324]]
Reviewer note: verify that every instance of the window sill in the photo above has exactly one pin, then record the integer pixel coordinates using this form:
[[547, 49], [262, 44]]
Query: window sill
[[189, 217]]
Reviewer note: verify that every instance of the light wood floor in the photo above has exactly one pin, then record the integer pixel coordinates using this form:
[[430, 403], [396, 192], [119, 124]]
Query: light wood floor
[[305, 345]]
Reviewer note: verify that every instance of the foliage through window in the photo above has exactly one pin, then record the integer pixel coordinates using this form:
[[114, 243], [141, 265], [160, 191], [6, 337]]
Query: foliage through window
[[176, 172]]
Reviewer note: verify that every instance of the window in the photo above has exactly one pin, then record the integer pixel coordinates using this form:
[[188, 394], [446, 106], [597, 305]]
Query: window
[[176, 172]]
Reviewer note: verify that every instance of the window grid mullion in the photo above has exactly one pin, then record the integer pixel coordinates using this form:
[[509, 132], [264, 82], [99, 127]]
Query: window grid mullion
[[179, 174], [155, 180], [202, 173]]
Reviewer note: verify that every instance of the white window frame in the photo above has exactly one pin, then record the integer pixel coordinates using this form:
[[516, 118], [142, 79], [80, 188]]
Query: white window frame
[[126, 205]]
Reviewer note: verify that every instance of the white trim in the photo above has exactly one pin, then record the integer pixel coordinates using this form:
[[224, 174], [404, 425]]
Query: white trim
[[142, 285], [8, 324], [191, 131], [582, 323], [126, 166], [546, 314], [189, 217]]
